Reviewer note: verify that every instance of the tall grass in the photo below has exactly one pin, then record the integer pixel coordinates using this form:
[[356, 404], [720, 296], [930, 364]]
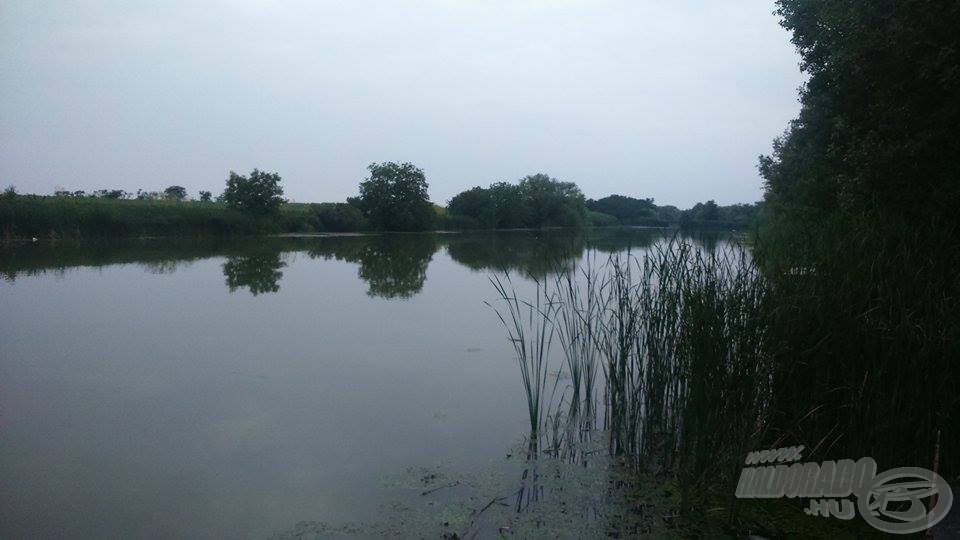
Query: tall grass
[[581, 301], [678, 339], [25, 216], [867, 333], [530, 329], [846, 343]]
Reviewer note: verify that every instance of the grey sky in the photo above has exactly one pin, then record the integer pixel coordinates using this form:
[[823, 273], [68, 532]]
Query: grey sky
[[666, 99]]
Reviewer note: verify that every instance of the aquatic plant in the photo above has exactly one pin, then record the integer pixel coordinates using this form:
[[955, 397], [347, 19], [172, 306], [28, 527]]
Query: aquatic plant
[[530, 329], [679, 338]]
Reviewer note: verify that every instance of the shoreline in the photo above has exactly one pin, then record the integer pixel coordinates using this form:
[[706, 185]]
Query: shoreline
[[50, 238]]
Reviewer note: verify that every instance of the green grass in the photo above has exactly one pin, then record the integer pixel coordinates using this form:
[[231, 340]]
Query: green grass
[[26, 216]]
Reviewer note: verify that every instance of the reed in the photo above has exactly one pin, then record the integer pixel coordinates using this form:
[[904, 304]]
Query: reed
[[531, 330], [581, 301], [675, 341], [841, 338], [866, 334]]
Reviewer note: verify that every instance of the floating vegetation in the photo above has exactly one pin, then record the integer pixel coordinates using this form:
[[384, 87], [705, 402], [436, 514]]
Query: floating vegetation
[[538, 496]]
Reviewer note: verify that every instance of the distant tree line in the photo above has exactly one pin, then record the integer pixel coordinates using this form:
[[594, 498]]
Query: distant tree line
[[172, 193], [393, 197], [630, 211], [623, 210]]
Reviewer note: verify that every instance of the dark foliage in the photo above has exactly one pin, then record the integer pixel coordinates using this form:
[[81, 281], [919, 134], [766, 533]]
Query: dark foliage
[[89, 217], [111, 194], [599, 219], [861, 239], [628, 210], [337, 217], [392, 266], [710, 215], [644, 212], [394, 198], [258, 272], [257, 194], [536, 201]]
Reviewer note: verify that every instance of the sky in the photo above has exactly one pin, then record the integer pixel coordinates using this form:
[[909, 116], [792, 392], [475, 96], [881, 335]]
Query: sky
[[671, 99]]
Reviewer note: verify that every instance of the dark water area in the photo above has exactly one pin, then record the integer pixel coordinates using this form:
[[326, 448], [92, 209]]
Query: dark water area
[[158, 388]]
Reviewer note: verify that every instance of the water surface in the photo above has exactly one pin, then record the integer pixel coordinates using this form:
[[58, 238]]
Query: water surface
[[159, 388]]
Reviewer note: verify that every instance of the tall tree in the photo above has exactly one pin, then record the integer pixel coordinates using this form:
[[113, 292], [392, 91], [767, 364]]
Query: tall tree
[[877, 128], [259, 194], [394, 198], [175, 193]]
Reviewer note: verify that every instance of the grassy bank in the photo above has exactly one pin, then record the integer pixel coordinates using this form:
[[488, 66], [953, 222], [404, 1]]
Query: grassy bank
[[26, 216], [87, 217]]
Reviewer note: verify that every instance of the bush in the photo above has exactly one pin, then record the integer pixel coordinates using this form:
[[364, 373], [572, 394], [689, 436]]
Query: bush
[[459, 222], [337, 217], [599, 219]]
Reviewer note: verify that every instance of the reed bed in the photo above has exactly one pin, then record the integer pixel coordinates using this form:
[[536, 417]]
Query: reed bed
[[530, 329], [665, 353], [867, 336], [685, 358]]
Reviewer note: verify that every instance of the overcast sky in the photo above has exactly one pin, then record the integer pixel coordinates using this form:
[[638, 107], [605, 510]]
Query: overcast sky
[[667, 99]]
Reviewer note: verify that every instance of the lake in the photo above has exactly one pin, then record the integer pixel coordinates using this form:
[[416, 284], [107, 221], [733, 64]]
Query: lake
[[236, 388]]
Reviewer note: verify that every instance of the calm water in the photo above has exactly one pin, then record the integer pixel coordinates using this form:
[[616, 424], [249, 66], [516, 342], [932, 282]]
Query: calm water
[[234, 389]]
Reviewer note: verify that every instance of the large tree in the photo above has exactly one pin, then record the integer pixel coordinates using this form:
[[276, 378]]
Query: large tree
[[394, 198], [877, 131], [175, 193], [552, 202], [863, 195], [259, 194]]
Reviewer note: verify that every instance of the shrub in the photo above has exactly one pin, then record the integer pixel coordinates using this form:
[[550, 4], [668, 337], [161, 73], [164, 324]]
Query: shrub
[[337, 217], [599, 219]]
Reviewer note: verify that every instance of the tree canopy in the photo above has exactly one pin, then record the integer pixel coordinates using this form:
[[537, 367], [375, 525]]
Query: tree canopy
[[631, 211], [394, 198], [877, 128], [175, 193], [260, 193], [861, 194], [535, 201]]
